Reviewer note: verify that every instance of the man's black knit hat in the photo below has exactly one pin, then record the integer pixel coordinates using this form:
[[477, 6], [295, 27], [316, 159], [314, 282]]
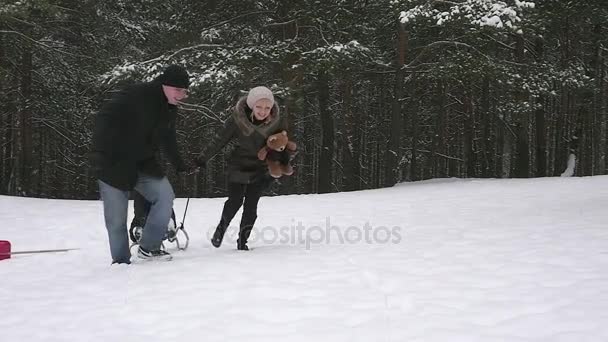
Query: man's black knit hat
[[175, 76]]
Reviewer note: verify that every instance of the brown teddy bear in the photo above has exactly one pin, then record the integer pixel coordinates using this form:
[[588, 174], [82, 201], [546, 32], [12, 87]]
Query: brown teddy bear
[[278, 153]]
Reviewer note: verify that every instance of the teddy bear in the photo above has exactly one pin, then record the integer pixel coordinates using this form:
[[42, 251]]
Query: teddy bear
[[277, 153]]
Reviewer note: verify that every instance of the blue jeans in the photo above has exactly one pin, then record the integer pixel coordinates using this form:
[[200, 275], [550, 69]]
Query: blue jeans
[[159, 193]]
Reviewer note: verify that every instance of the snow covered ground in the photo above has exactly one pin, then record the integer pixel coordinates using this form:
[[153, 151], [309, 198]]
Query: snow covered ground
[[442, 260]]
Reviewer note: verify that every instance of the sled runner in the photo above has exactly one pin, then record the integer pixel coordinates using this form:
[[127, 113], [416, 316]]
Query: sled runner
[[175, 234]]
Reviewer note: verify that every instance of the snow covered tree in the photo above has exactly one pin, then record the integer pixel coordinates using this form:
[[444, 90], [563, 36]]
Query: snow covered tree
[[375, 92]]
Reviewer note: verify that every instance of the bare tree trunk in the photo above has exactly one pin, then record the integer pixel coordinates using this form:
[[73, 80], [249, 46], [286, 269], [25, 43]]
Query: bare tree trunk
[[522, 163], [25, 120], [603, 145], [485, 145], [506, 137], [396, 130], [366, 143], [437, 163], [442, 163], [41, 167], [501, 136], [541, 140], [413, 173], [551, 134], [312, 158], [575, 128], [469, 137], [5, 120], [587, 139], [561, 153], [327, 130], [599, 100], [541, 133], [291, 110], [352, 170]]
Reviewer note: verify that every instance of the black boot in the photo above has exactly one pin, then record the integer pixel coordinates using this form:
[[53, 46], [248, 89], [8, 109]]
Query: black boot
[[247, 223], [242, 246], [218, 236], [241, 243]]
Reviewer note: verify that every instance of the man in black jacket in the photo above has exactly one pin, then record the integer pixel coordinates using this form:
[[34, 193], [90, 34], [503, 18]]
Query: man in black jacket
[[129, 129]]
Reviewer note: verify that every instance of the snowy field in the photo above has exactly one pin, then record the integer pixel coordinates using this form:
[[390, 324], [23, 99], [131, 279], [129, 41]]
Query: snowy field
[[442, 260]]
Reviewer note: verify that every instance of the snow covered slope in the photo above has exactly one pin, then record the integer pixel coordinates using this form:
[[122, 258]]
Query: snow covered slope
[[442, 260]]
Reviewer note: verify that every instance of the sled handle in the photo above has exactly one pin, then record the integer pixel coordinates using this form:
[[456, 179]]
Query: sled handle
[[185, 211]]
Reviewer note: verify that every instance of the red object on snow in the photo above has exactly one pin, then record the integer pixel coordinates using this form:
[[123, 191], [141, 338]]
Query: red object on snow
[[5, 250]]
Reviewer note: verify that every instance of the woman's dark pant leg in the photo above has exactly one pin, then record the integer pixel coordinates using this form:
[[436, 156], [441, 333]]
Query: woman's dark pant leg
[[236, 192], [253, 193]]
